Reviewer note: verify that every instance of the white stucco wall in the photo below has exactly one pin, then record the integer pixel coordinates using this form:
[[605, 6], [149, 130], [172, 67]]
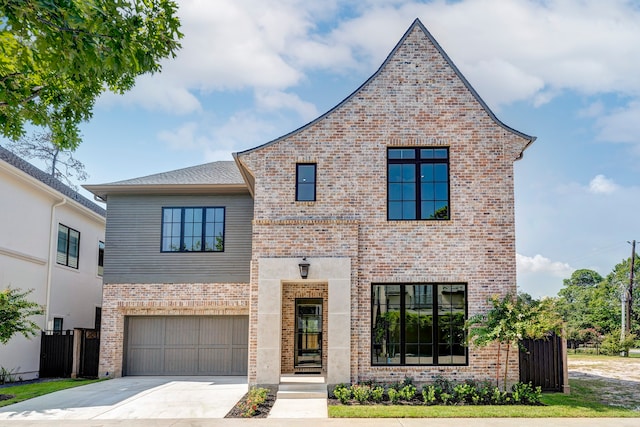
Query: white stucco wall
[[26, 245]]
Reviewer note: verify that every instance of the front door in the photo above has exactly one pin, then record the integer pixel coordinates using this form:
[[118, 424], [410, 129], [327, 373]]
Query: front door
[[308, 340]]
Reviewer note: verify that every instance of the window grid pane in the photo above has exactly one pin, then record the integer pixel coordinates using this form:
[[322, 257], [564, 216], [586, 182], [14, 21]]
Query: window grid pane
[[305, 182], [68, 250], [406, 200], [418, 324], [193, 229]]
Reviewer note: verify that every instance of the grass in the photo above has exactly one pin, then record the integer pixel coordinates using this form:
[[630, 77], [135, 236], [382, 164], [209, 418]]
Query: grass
[[29, 391], [582, 403]]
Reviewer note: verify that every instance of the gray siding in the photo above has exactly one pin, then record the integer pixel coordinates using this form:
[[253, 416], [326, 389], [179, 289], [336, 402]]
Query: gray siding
[[132, 246]]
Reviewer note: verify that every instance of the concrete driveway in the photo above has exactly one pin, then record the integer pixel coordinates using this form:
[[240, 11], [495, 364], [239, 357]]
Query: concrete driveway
[[135, 398]]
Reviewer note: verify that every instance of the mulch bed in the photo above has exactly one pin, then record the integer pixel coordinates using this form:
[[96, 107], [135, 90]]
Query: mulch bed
[[262, 411]]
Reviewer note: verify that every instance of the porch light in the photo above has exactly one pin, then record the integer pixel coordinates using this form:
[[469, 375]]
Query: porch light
[[304, 268]]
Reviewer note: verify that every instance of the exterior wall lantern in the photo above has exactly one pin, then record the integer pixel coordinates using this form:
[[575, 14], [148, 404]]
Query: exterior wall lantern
[[304, 268]]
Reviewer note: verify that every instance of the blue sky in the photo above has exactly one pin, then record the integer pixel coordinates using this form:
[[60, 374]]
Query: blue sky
[[566, 71]]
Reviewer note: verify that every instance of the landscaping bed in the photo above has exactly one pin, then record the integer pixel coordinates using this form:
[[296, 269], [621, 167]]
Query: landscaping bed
[[256, 403]]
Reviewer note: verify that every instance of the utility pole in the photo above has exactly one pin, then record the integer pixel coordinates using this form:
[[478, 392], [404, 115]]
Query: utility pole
[[630, 297]]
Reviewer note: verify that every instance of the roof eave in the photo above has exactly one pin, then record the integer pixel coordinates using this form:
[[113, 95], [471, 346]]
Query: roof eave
[[103, 191]]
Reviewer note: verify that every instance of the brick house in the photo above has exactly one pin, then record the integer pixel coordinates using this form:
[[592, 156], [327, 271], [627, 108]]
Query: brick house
[[398, 203]]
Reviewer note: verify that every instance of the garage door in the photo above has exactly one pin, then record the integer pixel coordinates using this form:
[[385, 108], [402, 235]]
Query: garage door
[[186, 345]]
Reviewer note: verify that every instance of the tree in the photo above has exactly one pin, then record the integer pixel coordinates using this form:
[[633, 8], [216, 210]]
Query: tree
[[575, 300], [509, 320], [15, 311], [57, 57], [60, 162]]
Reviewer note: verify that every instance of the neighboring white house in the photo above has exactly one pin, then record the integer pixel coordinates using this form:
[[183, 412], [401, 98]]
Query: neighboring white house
[[51, 241]]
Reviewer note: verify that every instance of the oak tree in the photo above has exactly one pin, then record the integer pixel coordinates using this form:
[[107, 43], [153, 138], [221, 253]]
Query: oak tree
[[57, 57]]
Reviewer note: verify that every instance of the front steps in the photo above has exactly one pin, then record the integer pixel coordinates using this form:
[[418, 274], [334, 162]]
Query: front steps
[[302, 387]]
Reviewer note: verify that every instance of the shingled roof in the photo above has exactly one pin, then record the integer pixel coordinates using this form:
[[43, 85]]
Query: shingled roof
[[26, 167], [221, 174]]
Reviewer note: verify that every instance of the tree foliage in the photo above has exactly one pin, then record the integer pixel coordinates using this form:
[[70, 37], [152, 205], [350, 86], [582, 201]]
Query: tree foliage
[[509, 320], [15, 313], [57, 57], [59, 161]]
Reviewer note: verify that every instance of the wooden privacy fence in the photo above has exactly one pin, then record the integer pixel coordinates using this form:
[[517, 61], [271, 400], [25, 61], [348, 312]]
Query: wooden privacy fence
[[56, 354], [543, 362], [71, 353]]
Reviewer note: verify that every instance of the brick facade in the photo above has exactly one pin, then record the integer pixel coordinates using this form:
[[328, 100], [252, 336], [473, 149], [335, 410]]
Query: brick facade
[[416, 99]]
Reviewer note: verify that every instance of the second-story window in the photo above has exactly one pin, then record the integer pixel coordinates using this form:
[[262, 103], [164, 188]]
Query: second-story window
[[100, 258], [306, 182], [418, 184], [68, 246], [193, 229]]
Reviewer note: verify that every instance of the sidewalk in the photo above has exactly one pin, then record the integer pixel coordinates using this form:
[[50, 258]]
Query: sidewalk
[[335, 422]]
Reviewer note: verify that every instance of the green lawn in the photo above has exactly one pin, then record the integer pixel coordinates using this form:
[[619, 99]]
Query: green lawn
[[582, 402], [29, 391]]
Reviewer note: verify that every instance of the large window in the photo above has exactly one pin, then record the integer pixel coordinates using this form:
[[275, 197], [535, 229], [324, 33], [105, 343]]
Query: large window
[[306, 182], [418, 324], [418, 183], [193, 229], [68, 246]]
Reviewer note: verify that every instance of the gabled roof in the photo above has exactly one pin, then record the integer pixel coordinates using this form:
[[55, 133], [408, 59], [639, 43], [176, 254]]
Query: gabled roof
[[45, 178], [417, 23], [222, 175]]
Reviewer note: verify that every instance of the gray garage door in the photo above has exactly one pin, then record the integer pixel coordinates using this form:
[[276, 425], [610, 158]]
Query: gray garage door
[[186, 345]]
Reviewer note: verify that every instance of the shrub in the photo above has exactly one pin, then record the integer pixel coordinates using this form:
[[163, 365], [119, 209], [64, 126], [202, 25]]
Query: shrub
[[256, 397], [407, 392], [361, 392], [429, 394], [525, 394], [613, 345], [465, 393], [394, 395], [343, 393], [377, 393]]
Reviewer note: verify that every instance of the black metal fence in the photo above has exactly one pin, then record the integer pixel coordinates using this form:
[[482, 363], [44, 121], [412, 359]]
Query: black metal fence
[[56, 354], [542, 363]]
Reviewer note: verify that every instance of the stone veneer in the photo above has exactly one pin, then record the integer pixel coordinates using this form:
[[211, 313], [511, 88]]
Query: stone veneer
[[415, 100], [161, 299]]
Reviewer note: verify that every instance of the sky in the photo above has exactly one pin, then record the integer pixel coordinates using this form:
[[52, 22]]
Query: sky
[[566, 71]]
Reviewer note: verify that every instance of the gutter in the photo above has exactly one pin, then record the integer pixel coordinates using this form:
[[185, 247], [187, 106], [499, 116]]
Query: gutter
[[52, 239]]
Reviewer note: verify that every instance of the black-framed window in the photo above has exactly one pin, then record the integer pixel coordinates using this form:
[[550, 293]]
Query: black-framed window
[[193, 229], [68, 246], [306, 182], [418, 183], [418, 324], [100, 258], [57, 325]]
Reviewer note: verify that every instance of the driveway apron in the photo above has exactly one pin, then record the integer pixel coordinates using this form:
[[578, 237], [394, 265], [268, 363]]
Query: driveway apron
[[135, 398]]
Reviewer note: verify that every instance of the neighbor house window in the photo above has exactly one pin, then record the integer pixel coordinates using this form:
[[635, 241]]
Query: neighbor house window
[[57, 325], [100, 258], [306, 182], [418, 184], [418, 324], [193, 229], [68, 246]]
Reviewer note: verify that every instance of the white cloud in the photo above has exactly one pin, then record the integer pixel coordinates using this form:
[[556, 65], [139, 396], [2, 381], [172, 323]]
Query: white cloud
[[278, 100], [510, 51], [540, 264], [600, 184], [622, 125]]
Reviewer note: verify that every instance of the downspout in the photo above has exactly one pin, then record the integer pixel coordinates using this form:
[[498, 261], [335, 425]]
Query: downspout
[[52, 238]]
